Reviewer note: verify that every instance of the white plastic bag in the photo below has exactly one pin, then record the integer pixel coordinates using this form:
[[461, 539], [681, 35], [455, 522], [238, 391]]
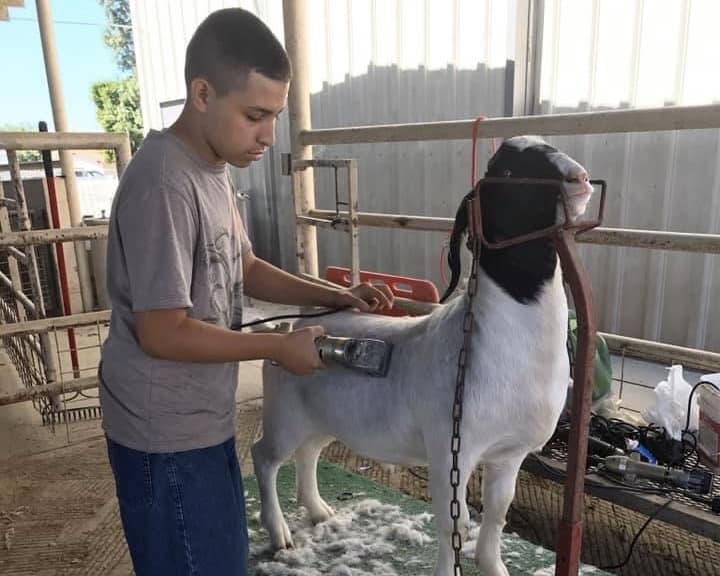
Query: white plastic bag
[[610, 406], [669, 409]]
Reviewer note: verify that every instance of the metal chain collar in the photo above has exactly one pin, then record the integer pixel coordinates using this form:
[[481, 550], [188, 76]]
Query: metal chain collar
[[468, 322]]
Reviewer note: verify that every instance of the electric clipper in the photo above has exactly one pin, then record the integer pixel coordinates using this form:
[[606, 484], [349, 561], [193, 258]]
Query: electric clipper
[[367, 355]]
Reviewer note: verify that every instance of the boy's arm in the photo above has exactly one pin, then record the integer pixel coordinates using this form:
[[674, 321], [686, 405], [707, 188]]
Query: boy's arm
[[172, 335], [266, 282]]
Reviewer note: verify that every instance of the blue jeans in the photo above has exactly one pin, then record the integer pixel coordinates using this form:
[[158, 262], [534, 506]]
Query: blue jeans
[[183, 513]]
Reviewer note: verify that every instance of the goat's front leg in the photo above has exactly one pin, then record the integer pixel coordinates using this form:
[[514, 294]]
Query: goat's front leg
[[266, 462], [498, 490], [441, 494], [306, 459]]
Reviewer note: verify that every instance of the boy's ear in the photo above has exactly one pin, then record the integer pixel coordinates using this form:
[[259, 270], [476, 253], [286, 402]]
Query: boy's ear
[[200, 91]]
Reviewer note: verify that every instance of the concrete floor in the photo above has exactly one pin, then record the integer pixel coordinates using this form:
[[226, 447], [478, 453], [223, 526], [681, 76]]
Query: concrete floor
[[58, 512]]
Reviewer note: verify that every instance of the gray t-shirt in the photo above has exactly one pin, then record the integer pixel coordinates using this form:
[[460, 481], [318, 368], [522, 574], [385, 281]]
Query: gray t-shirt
[[175, 241]]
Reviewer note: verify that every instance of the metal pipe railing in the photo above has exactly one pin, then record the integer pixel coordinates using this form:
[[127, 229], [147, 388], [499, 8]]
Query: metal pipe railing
[[28, 238], [19, 295], [25, 225], [48, 324], [118, 142], [605, 122], [629, 238], [34, 392], [35, 237], [18, 254]]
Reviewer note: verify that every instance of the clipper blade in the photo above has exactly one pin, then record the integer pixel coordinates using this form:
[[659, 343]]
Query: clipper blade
[[368, 355]]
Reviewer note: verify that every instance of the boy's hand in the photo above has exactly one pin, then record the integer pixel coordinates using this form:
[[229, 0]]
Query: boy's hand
[[298, 353], [366, 297]]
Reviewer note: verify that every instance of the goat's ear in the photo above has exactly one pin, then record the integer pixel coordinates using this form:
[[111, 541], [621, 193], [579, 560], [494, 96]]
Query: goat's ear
[[453, 257]]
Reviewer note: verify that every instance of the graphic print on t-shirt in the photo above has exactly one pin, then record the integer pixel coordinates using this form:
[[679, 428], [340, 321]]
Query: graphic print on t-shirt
[[223, 259]]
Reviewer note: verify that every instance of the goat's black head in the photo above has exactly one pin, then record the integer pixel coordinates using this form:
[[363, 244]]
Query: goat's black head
[[512, 210]]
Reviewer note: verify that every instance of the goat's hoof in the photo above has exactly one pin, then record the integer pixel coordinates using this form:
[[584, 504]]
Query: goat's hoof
[[494, 567], [464, 529], [321, 512], [280, 536]]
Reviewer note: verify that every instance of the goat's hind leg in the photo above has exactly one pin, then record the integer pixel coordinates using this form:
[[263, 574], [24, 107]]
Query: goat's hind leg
[[306, 459], [498, 490]]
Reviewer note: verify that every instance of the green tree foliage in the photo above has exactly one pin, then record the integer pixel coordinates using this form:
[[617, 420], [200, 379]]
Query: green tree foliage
[[118, 107], [118, 34], [118, 101], [23, 155]]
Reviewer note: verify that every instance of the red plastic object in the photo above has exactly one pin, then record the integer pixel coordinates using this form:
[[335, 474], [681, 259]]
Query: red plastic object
[[402, 286]]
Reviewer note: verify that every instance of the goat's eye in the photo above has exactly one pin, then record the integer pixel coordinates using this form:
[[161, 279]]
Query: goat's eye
[[577, 179]]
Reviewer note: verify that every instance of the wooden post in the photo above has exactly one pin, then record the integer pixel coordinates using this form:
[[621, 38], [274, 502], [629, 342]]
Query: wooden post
[[303, 183], [122, 156], [354, 226], [52, 70]]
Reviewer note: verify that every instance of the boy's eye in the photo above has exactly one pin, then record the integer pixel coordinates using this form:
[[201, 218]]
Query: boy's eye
[[254, 117]]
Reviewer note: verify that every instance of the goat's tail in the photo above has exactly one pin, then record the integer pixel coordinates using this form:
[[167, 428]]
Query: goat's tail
[[453, 258]]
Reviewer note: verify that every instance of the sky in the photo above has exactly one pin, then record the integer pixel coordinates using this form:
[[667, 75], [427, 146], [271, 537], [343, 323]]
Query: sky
[[82, 56]]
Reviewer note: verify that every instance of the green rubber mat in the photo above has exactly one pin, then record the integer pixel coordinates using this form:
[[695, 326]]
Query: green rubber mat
[[376, 530]]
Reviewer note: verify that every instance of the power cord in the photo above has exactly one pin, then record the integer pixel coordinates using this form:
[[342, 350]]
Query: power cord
[[637, 537], [289, 317], [418, 476], [625, 488], [615, 433]]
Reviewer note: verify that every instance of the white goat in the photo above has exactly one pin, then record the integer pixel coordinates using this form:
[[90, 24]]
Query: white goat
[[515, 386]]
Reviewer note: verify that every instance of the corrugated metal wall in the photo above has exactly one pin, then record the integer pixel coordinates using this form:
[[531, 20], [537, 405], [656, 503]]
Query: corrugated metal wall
[[390, 61], [407, 61], [630, 54]]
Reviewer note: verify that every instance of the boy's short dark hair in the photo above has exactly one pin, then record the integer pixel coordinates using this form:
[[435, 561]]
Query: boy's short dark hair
[[228, 45]]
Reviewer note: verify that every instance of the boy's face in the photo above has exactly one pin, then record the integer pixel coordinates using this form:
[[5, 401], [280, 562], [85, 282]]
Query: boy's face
[[240, 125]]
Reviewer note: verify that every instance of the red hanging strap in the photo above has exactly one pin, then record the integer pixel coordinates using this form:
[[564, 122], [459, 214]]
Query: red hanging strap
[[473, 160], [472, 209]]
